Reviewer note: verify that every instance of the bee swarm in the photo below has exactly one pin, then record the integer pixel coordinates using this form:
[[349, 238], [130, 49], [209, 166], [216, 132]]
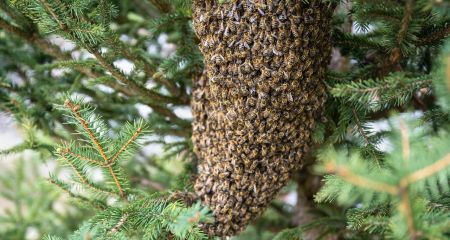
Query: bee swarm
[[255, 107]]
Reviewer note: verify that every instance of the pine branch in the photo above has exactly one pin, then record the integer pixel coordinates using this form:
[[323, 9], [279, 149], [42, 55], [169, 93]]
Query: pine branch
[[427, 171], [161, 5], [134, 86], [115, 73], [405, 204], [401, 177], [348, 175], [119, 224], [434, 36], [93, 138], [125, 146], [396, 53], [54, 51]]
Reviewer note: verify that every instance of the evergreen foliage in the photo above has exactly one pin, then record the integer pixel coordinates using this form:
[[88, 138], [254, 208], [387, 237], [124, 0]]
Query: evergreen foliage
[[382, 146]]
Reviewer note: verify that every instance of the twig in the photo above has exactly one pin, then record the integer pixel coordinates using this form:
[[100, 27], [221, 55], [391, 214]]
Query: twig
[[67, 151], [94, 140], [84, 180], [434, 36], [161, 5], [119, 224], [54, 51], [396, 53], [358, 180], [360, 129], [427, 171], [405, 208], [405, 141], [122, 78], [125, 146]]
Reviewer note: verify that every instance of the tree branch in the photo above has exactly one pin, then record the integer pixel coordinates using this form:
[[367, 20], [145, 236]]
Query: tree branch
[[55, 52], [94, 140], [358, 180]]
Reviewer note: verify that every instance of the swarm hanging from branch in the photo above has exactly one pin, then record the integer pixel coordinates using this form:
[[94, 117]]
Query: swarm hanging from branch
[[257, 103]]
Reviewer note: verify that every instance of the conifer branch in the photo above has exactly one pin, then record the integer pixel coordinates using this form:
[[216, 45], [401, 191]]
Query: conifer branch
[[396, 53], [54, 51], [360, 128], [405, 141], [434, 36], [405, 204], [125, 146], [115, 73], [59, 185], [119, 224], [122, 78], [427, 171], [67, 151], [50, 10], [95, 141], [75, 111], [158, 78], [84, 180], [162, 6], [358, 180], [405, 209]]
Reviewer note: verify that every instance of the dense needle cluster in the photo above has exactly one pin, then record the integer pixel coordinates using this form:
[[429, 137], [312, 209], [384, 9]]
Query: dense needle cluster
[[256, 106]]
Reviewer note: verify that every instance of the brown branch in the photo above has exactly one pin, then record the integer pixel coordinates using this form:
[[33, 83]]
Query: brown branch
[[162, 6], [67, 151], [358, 180], [396, 53], [85, 125], [54, 15], [125, 146], [427, 171], [52, 50], [119, 224], [100, 149], [434, 36], [405, 208], [360, 129], [405, 141]]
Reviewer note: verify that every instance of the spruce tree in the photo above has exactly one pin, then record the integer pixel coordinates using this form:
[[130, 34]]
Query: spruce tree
[[344, 105]]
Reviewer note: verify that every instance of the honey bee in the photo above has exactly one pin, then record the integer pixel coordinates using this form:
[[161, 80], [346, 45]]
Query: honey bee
[[217, 59], [274, 22], [265, 72], [261, 12], [276, 52]]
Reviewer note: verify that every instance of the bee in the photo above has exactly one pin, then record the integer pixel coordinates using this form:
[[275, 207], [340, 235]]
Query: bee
[[276, 52], [274, 22], [310, 71], [217, 59], [258, 62], [260, 11], [226, 31], [291, 60], [253, 154], [283, 33], [282, 17], [265, 72], [200, 29], [228, 82], [254, 209]]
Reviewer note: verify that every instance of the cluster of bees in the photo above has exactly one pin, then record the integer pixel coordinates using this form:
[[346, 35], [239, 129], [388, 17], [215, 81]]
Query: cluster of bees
[[256, 104]]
